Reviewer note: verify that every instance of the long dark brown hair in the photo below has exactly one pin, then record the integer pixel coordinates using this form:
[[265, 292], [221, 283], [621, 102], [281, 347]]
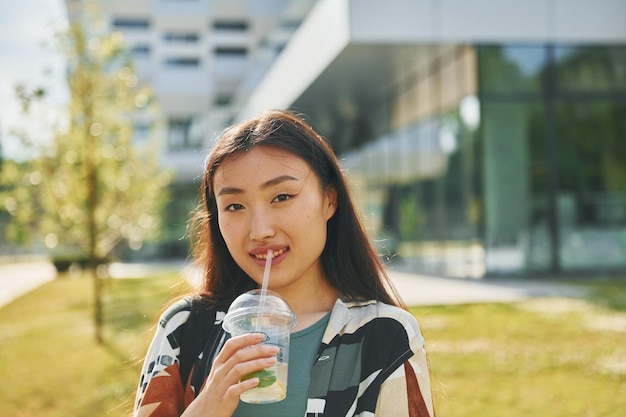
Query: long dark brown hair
[[348, 260]]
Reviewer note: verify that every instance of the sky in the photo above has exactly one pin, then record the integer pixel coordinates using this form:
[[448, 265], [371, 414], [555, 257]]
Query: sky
[[27, 56]]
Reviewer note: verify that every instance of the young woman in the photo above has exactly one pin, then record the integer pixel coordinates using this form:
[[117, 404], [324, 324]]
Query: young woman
[[272, 183]]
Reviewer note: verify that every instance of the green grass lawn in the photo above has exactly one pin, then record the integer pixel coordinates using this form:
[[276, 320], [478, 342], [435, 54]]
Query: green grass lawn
[[544, 357], [551, 357], [50, 364]]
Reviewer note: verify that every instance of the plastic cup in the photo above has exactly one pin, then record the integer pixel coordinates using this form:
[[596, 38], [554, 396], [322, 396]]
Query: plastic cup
[[274, 320]]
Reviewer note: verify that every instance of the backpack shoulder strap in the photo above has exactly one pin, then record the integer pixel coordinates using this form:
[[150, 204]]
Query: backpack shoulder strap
[[194, 336]]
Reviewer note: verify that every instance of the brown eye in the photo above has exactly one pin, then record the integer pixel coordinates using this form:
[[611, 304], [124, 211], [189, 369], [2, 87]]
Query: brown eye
[[234, 207], [282, 197]]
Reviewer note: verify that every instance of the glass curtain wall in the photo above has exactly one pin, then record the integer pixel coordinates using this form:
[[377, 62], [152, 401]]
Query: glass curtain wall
[[553, 134], [422, 192], [501, 159], [590, 112], [516, 170]]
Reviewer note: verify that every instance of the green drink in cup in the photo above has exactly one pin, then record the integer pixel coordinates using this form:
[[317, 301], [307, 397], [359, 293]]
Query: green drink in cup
[[271, 316]]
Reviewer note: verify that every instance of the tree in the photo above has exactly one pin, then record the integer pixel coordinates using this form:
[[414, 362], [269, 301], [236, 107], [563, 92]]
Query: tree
[[92, 188]]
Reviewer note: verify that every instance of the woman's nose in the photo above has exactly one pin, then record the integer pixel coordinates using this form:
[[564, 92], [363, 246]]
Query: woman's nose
[[261, 226]]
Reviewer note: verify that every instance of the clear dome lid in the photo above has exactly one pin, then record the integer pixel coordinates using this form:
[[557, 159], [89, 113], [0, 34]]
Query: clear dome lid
[[249, 303]]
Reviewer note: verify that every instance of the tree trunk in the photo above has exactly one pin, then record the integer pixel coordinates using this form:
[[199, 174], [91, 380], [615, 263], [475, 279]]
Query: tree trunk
[[92, 203]]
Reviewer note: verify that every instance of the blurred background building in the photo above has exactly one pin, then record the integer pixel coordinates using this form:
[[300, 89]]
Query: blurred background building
[[200, 57], [481, 137]]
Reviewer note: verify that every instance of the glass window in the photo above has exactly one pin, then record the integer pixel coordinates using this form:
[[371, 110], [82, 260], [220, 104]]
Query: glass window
[[184, 133], [460, 178], [511, 68], [290, 24], [181, 37], [140, 51], [231, 51], [280, 48], [563, 205], [231, 25], [515, 200], [591, 200], [182, 62], [596, 68], [141, 132], [178, 132], [223, 99], [130, 23]]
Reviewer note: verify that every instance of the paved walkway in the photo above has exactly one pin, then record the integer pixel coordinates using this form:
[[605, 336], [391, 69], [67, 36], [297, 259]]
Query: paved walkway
[[418, 289], [18, 279]]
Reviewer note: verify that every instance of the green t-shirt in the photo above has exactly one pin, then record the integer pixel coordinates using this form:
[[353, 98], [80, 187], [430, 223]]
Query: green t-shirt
[[303, 346]]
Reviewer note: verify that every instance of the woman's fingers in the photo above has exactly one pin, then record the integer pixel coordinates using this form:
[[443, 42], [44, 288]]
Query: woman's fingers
[[242, 369], [242, 355], [241, 387], [239, 342], [250, 358], [239, 356]]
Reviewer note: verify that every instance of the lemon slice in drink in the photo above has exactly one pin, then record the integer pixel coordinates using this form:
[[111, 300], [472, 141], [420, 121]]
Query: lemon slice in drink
[[276, 390]]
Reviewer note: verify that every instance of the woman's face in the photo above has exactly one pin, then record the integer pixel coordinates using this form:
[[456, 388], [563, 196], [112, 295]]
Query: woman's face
[[269, 199]]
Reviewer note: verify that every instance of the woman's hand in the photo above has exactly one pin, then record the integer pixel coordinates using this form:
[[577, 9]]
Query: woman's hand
[[220, 393]]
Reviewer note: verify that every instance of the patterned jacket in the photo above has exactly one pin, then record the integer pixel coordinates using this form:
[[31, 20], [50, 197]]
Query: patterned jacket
[[371, 362]]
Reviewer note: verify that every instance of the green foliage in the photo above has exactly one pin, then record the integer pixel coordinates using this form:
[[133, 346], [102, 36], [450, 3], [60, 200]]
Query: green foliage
[[91, 188]]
